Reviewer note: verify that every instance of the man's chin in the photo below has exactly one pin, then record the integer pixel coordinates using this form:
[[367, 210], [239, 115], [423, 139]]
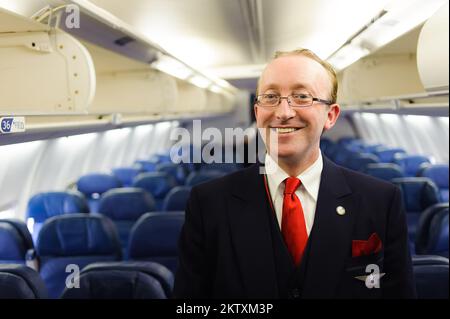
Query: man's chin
[[286, 156]]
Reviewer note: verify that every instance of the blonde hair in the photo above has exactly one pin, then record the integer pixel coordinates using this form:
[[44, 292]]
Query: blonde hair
[[309, 54]]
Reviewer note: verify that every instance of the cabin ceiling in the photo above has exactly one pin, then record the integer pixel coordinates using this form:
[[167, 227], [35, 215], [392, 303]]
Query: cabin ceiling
[[232, 39]]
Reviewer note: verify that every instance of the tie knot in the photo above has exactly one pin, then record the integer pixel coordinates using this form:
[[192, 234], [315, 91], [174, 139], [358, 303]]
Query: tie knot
[[292, 183]]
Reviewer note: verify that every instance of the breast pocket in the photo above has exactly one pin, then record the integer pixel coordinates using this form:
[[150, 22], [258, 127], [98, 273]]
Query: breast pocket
[[357, 270]]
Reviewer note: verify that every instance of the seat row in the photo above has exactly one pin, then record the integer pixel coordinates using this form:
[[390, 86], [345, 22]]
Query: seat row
[[146, 280], [102, 280], [78, 240], [123, 205]]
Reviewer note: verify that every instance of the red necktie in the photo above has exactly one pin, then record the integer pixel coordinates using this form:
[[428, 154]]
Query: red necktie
[[293, 225]]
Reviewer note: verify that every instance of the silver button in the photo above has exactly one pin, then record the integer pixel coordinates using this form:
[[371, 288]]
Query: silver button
[[340, 210]]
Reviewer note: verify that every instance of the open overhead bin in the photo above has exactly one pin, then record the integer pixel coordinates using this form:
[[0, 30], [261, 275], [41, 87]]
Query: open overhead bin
[[43, 71]]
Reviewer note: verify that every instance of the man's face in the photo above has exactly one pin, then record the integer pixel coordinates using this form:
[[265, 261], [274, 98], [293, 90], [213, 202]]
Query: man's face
[[295, 75]]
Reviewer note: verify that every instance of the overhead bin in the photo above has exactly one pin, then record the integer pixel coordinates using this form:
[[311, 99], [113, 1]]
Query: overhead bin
[[432, 51], [127, 86], [42, 71], [190, 98]]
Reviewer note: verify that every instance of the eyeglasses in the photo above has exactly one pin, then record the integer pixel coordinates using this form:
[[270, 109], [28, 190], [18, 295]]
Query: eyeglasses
[[294, 100]]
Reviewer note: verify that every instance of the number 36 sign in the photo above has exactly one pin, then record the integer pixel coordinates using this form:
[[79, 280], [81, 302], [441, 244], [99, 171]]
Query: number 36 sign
[[12, 124]]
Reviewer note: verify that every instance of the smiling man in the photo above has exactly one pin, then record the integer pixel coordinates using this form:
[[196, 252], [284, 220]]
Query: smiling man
[[305, 228]]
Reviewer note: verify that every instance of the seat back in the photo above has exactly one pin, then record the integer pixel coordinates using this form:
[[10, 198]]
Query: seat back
[[175, 170], [94, 184], [48, 204], [431, 276], [124, 206], [432, 230], [126, 175], [419, 193], [155, 238], [76, 239], [15, 241], [203, 176], [176, 199], [439, 175], [387, 155], [20, 282], [361, 160], [156, 183], [411, 164], [123, 280], [384, 171]]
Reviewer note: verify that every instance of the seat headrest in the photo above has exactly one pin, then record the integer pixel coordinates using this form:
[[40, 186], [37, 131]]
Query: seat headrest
[[156, 183], [155, 234], [126, 174], [437, 173], [125, 280], [97, 183], [411, 164], [78, 235], [419, 193], [20, 282], [45, 205], [128, 203], [199, 177], [177, 198], [386, 171], [13, 246]]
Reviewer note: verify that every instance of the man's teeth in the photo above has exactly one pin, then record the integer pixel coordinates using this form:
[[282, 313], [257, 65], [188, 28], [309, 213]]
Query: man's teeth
[[285, 129]]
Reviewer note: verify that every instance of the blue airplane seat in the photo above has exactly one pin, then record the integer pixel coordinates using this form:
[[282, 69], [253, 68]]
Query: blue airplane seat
[[94, 184], [21, 282], [439, 175], [123, 280], [226, 168], [387, 155], [126, 174], [15, 241], [154, 237], [146, 165], [418, 193], [359, 161], [176, 199], [48, 204], [203, 176], [76, 239], [156, 183], [432, 231], [124, 206], [431, 276], [177, 171], [384, 171], [411, 164]]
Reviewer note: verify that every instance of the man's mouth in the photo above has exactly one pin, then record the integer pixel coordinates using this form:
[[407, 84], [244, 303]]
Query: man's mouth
[[285, 130]]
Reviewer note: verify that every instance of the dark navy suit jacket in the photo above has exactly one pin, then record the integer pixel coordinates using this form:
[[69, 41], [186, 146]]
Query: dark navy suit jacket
[[226, 247]]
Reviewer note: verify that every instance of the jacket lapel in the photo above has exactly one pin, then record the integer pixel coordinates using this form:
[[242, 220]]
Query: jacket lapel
[[248, 212], [331, 234]]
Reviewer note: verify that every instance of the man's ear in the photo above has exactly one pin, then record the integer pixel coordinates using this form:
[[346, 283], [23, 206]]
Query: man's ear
[[332, 116], [255, 109]]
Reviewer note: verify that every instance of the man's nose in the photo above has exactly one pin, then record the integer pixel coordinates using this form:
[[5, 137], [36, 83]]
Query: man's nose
[[284, 111]]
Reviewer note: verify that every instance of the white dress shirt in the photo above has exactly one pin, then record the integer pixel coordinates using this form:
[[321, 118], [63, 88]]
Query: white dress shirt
[[307, 192]]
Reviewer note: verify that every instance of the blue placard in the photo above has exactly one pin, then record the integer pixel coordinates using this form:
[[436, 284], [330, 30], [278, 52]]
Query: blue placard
[[12, 125]]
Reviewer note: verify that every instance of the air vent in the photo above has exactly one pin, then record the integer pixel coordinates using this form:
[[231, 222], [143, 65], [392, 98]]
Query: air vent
[[124, 41]]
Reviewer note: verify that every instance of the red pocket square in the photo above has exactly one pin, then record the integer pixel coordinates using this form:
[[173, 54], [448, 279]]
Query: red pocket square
[[366, 247]]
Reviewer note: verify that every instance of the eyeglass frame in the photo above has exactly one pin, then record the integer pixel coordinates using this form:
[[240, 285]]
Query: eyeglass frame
[[314, 99]]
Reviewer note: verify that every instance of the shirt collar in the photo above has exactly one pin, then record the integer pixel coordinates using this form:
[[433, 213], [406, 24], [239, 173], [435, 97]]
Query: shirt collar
[[310, 178]]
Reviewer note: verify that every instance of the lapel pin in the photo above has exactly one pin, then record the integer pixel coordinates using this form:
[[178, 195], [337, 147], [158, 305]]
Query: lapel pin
[[340, 210]]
